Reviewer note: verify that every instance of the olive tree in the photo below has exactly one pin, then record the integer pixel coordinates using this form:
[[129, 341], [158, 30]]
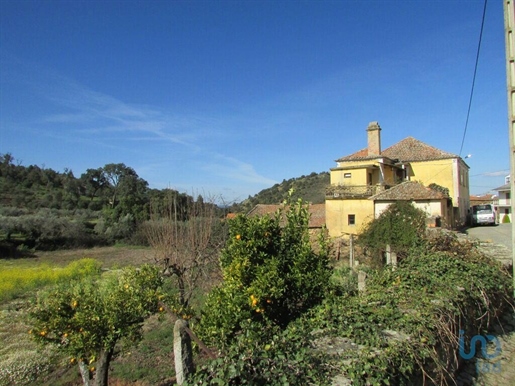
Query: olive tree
[[87, 318]]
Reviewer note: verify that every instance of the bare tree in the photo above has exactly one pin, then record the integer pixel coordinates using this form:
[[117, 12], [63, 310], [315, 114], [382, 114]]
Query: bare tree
[[186, 237]]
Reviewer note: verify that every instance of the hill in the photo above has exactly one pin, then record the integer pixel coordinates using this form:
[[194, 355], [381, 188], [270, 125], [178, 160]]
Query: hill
[[310, 188]]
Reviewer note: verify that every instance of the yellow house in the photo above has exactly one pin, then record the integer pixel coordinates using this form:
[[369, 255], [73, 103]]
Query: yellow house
[[363, 175]]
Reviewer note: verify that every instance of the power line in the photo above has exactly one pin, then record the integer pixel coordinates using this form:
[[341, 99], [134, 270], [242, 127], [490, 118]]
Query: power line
[[474, 77]]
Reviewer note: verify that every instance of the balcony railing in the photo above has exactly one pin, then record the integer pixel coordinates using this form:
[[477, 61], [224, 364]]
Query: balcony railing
[[504, 202], [336, 192]]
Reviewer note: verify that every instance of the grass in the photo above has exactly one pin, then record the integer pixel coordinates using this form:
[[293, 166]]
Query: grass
[[109, 257], [23, 362], [17, 279], [155, 351]]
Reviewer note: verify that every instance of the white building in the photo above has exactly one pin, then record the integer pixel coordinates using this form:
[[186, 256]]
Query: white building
[[503, 203]]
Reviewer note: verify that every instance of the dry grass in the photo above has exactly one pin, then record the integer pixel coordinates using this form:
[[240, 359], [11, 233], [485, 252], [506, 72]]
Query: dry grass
[[109, 257], [21, 359]]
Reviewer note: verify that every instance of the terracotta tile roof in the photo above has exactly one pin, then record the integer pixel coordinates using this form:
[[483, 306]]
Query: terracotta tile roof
[[317, 215], [408, 190], [263, 209], [316, 212], [357, 156], [409, 149], [479, 199]]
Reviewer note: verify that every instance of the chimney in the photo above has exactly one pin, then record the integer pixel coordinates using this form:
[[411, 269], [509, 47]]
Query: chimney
[[374, 138]]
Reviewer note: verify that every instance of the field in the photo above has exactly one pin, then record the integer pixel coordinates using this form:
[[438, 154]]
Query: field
[[21, 360], [109, 257]]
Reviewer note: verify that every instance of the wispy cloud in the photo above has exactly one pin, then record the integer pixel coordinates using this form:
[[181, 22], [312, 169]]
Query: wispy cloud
[[77, 116], [499, 173], [234, 169], [97, 113]]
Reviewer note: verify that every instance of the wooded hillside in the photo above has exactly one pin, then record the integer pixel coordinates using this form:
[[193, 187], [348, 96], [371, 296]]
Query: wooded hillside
[[310, 188], [41, 208]]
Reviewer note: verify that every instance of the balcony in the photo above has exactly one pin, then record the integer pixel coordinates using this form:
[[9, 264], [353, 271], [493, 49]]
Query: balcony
[[342, 192], [504, 202]]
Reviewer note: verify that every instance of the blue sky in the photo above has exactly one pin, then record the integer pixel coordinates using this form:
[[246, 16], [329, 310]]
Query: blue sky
[[230, 97]]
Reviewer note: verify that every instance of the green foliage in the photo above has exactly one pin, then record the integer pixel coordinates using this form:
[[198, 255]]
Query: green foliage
[[310, 188], [48, 209], [439, 188], [266, 355], [270, 272], [506, 219], [137, 365], [49, 229], [86, 318], [407, 320], [401, 225]]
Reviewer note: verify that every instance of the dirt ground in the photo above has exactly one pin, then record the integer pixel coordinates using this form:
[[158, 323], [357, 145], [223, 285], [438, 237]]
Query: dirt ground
[[115, 256]]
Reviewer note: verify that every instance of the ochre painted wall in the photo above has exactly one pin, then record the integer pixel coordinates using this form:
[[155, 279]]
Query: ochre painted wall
[[337, 215], [358, 176], [438, 172], [449, 173]]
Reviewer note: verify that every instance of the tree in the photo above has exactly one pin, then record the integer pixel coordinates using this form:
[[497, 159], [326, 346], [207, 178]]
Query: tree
[[118, 175], [401, 225], [6, 164], [93, 181], [87, 318], [186, 238], [272, 273]]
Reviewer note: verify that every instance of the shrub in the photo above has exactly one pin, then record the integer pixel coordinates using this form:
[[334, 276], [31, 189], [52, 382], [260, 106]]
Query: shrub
[[407, 321], [270, 274], [266, 355], [401, 225]]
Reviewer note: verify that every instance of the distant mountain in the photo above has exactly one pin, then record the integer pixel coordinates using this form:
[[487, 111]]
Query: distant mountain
[[310, 188]]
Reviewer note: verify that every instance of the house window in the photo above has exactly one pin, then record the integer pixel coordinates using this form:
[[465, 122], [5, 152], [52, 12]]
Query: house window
[[352, 219], [347, 175], [508, 195]]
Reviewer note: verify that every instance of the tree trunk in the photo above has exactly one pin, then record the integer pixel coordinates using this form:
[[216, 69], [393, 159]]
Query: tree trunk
[[102, 371], [180, 283], [84, 373]]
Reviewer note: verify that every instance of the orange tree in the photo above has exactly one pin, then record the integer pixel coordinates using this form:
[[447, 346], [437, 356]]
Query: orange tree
[[87, 318], [271, 274]]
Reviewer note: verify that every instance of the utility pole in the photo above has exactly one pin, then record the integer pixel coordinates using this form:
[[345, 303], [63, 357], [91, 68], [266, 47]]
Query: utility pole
[[509, 25]]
